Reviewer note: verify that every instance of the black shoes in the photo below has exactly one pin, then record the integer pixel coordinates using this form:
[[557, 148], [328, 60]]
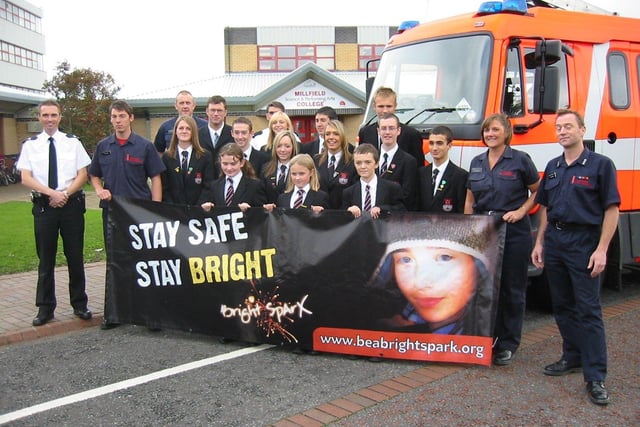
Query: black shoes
[[107, 325], [562, 367], [84, 314], [43, 317], [598, 392], [503, 358]]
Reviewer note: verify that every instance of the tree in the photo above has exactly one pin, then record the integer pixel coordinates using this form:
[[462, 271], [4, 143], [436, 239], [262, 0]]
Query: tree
[[85, 96]]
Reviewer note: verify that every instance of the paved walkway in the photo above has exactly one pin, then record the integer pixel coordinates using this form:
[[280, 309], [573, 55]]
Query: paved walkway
[[17, 304]]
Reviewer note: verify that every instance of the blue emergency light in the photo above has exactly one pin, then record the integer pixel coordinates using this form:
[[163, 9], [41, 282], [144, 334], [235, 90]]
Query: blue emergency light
[[407, 25], [508, 6]]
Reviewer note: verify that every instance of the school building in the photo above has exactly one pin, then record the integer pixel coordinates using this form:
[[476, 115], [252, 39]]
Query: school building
[[305, 68]]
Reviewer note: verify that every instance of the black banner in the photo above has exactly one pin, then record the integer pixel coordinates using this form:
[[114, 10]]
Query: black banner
[[409, 286]]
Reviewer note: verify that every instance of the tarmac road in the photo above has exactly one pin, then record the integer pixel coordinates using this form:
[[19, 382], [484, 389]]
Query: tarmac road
[[240, 385]]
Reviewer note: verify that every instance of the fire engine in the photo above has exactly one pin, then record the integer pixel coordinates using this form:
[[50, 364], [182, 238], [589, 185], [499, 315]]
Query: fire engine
[[527, 60]]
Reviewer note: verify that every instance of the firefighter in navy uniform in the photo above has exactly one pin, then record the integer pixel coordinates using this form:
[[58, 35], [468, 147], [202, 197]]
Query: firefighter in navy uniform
[[579, 214], [54, 166]]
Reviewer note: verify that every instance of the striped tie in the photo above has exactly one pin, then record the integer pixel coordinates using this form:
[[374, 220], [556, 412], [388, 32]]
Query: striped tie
[[332, 166], [229, 197], [367, 198], [298, 201], [283, 175]]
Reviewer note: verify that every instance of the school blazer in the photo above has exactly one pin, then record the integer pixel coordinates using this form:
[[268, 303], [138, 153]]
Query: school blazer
[[258, 159], [249, 191], [190, 188], [409, 140], [344, 176], [204, 137], [312, 198], [311, 148], [451, 193], [388, 196], [403, 170], [271, 186]]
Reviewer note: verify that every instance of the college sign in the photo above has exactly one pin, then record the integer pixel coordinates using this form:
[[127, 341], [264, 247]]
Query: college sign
[[405, 286], [312, 95]]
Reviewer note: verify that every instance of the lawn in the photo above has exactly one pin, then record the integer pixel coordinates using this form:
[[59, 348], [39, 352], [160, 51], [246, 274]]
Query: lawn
[[17, 245]]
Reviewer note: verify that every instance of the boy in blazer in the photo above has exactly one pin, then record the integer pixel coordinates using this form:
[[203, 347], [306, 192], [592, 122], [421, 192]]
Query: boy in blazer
[[242, 131], [443, 191], [395, 164], [371, 193]]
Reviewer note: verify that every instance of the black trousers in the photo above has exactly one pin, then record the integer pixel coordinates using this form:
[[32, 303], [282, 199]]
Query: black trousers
[[513, 286], [68, 222]]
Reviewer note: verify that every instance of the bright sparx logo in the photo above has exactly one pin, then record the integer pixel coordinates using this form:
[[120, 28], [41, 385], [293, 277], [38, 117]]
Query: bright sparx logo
[[268, 312]]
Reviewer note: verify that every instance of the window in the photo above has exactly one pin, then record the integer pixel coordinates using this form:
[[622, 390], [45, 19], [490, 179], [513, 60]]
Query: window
[[618, 86], [19, 16], [20, 56], [288, 58], [512, 95], [367, 53]]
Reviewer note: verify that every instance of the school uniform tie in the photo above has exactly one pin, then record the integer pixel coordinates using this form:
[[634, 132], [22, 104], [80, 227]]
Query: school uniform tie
[[283, 175], [229, 196], [367, 198], [383, 168], [332, 166], [53, 164], [298, 201], [433, 180], [184, 163]]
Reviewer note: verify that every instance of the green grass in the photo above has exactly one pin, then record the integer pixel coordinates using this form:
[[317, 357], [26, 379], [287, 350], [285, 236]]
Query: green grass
[[17, 245]]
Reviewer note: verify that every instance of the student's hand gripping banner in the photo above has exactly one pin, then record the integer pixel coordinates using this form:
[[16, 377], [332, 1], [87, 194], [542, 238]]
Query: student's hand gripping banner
[[406, 286]]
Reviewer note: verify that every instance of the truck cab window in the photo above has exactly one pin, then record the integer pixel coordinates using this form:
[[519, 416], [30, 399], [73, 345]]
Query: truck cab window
[[512, 90]]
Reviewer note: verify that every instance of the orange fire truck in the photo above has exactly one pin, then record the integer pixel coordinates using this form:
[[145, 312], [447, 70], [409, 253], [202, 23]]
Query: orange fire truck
[[527, 62]]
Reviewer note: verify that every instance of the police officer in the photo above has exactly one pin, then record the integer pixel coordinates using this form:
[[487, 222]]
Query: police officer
[[53, 165], [579, 214], [503, 182]]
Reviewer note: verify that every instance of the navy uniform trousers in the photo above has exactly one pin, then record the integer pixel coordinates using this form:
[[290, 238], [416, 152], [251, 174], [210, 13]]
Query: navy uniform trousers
[[576, 298], [513, 286]]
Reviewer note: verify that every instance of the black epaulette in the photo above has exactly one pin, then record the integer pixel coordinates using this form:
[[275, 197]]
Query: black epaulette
[[31, 138], [257, 133], [70, 135]]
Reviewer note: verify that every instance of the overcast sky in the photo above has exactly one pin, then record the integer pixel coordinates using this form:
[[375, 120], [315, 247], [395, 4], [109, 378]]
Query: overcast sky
[[147, 45]]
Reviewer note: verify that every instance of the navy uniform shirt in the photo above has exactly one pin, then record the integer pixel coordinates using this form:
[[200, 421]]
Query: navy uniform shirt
[[579, 193], [505, 188], [125, 168]]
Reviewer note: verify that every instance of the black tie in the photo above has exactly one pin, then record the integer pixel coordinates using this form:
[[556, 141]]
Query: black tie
[[53, 165], [283, 175], [433, 179], [383, 168], [183, 164]]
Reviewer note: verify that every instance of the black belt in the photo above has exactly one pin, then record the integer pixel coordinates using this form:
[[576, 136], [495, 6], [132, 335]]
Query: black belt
[[42, 199], [572, 226], [493, 213]]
